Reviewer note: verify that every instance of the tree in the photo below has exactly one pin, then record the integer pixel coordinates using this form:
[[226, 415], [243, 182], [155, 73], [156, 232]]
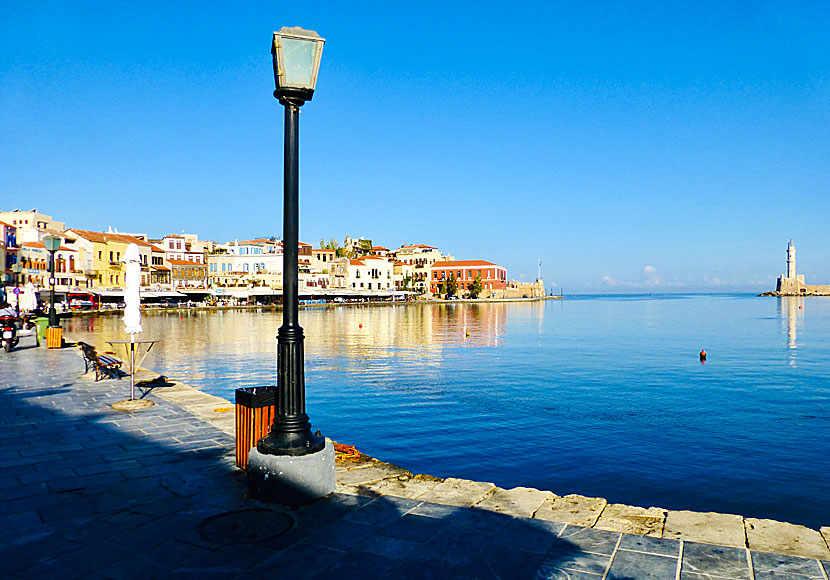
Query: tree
[[475, 287], [451, 286], [407, 280]]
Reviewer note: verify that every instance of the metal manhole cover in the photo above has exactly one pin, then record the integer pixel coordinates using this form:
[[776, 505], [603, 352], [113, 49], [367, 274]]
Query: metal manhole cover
[[245, 526]]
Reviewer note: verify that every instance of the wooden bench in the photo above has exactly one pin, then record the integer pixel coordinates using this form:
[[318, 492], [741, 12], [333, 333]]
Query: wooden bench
[[104, 365]]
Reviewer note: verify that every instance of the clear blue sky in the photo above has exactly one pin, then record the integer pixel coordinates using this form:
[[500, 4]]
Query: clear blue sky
[[629, 146]]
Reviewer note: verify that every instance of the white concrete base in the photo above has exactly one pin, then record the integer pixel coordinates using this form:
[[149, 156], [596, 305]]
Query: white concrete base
[[291, 480]]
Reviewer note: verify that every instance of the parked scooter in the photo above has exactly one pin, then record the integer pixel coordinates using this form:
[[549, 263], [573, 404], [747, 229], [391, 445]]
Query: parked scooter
[[8, 332]]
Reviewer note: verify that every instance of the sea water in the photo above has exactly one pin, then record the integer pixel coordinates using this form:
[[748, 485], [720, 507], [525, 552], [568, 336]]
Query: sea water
[[602, 396]]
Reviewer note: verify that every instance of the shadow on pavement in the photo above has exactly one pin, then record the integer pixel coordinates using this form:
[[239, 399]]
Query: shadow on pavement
[[87, 491]]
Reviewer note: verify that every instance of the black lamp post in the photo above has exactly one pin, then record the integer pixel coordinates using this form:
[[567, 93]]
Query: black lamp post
[[17, 269], [52, 244], [296, 55]]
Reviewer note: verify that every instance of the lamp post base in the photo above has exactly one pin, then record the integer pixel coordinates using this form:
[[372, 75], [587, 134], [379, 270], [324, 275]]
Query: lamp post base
[[291, 479]]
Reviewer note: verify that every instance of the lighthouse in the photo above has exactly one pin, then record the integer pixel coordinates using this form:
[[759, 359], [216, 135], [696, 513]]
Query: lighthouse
[[791, 260], [790, 284]]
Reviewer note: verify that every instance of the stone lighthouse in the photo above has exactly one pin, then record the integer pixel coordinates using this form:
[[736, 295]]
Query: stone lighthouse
[[791, 260], [791, 284]]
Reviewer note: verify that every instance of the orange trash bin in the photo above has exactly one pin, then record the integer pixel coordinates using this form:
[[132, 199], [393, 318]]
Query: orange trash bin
[[255, 410]]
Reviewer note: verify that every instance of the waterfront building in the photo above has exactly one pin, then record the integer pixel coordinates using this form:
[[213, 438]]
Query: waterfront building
[[421, 257], [34, 260], [31, 219], [356, 248], [188, 274], [403, 274], [8, 251], [179, 247], [493, 277], [370, 273], [247, 263], [339, 273], [101, 257]]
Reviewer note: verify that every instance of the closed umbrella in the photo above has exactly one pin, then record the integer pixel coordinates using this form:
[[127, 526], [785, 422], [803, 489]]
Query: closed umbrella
[[132, 305], [28, 298]]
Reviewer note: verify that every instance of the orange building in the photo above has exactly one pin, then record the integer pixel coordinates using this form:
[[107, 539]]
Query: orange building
[[493, 276]]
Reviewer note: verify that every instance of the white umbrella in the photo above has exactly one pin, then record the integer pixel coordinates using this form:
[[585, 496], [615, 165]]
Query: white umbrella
[[28, 298], [132, 305]]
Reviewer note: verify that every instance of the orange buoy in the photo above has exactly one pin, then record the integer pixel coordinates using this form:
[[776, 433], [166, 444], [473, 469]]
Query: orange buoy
[[360, 325], [703, 354]]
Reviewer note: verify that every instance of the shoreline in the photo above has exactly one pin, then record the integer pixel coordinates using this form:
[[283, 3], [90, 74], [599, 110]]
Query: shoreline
[[369, 476], [278, 307]]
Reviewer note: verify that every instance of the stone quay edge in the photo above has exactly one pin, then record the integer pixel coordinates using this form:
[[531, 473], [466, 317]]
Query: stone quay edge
[[370, 476]]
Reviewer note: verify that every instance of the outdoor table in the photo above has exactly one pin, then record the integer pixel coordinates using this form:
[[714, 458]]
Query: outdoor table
[[129, 350]]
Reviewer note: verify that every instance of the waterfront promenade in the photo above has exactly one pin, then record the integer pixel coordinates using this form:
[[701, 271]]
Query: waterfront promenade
[[89, 492]]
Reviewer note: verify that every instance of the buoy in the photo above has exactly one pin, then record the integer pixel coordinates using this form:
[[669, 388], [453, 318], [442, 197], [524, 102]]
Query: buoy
[[702, 354], [360, 326]]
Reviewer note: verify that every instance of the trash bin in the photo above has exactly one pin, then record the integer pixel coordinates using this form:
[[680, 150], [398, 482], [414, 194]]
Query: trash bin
[[42, 323], [255, 409]]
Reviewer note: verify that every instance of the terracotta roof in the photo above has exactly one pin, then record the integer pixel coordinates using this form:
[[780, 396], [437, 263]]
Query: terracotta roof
[[88, 235], [160, 268], [323, 250], [258, 241], [5, 224], [380, 248], [421, 246], [104, 237], [185, 263], [464, 264], [155, 248], [357, 262]]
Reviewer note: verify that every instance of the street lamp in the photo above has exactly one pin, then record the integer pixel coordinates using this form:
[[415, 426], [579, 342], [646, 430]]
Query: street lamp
[[17, 268], [291, 464], [52, 244]]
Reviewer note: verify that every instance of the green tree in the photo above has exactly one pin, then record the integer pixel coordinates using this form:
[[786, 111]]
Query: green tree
[[451, 286], [407, 280], [475, 287]]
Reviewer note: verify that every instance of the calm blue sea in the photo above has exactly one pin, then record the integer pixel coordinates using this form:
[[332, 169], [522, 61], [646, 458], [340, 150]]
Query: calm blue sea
[[597, 395]]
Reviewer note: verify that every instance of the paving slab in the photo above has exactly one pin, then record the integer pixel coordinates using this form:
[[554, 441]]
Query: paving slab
[[376, 471], [784, 538], [632, 520], [518, 501], [708, 527], [401, 486], [572, 509], [458, 492], [774, 566]]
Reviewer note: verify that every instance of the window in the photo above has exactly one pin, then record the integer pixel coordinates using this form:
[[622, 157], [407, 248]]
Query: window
[[110, 256], [118, 256], [100, 255]]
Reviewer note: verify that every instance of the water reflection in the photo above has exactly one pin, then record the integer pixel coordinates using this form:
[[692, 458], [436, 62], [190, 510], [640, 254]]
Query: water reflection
[[369, 340], [790, 309]]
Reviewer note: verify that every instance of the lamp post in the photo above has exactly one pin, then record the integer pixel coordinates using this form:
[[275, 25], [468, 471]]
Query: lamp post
[[52, 244], [17, 269], [282, 468]]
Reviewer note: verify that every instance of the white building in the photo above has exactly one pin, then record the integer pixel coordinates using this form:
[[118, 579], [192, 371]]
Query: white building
[[370, 273], [420, 257]]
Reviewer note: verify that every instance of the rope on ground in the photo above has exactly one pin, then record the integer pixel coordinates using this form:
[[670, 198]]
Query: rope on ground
[[345, 452]]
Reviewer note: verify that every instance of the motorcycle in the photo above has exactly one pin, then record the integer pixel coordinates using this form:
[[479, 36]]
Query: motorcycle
[[8, 332]]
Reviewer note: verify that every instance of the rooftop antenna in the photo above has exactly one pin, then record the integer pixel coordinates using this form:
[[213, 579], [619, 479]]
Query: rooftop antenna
[[540, 271]]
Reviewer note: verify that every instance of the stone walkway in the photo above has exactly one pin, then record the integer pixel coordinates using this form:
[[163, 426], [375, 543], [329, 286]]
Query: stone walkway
[[88, 492]]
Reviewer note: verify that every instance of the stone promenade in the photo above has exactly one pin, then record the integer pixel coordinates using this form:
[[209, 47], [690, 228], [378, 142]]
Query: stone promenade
[[89, 492]]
